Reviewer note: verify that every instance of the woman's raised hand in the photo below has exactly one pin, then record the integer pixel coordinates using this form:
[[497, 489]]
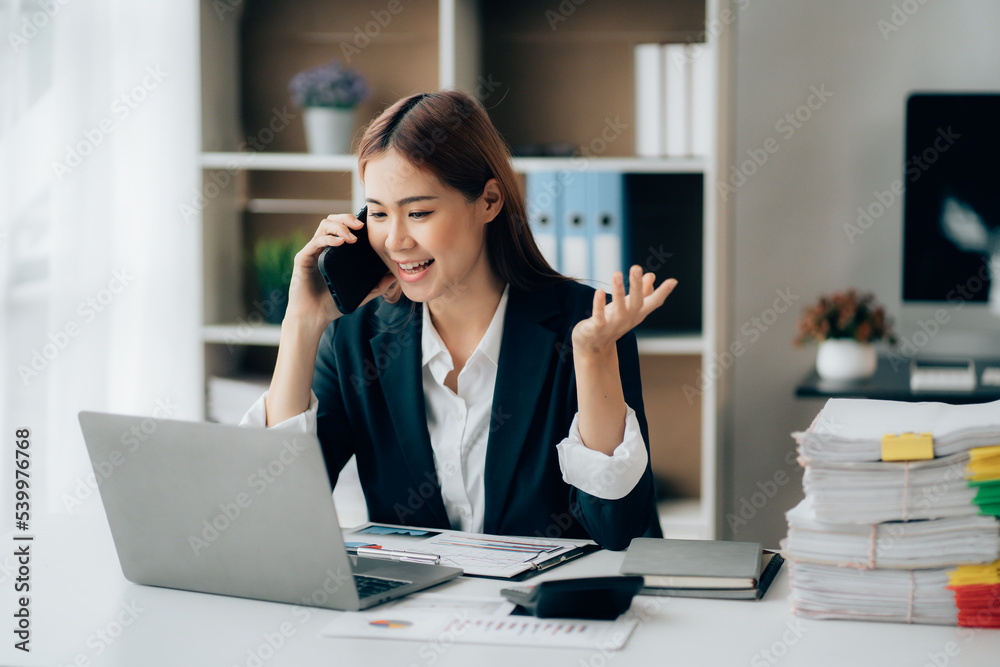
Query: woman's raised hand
[[609, 322]]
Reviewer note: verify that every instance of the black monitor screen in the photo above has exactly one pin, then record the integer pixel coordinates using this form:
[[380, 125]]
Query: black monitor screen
[[951, 221]]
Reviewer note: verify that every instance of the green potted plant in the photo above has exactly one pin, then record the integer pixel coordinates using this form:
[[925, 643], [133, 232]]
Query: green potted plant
[[329, 94], [273, 259], [846, 325]]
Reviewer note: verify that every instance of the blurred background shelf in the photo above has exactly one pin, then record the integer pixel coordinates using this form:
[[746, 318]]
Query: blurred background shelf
[[682, 518], [667, 344], [242, 334], [265, 161]]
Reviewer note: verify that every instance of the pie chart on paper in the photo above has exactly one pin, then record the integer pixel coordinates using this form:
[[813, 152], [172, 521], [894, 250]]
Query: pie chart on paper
[[389, 624]]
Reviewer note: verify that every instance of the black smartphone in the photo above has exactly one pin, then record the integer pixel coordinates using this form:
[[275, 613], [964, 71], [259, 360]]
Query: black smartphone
[[352, 270]]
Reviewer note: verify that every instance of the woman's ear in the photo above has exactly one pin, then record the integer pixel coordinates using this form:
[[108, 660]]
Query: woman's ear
[[491, 201]]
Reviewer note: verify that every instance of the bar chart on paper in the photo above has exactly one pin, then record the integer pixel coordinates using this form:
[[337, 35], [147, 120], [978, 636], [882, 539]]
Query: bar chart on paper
[[468, 620]]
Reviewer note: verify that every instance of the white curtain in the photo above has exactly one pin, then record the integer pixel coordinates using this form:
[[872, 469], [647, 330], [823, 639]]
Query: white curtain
[[101, 277]]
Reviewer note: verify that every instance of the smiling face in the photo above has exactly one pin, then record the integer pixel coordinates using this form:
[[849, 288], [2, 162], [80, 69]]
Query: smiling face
[[431, 237]]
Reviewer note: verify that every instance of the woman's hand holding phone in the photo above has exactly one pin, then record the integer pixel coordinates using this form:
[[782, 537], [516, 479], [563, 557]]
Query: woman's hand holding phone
[[309, 299], [310, 309]]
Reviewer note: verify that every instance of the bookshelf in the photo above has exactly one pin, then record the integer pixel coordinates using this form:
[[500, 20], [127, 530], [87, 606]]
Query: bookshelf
[[538, 83]]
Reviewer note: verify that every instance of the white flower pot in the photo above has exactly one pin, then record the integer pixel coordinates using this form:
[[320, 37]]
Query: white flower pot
[[329, 130], [845, 359]]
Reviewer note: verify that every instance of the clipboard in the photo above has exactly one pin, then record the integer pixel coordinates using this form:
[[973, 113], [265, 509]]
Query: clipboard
[[549, 564], [505, 557]]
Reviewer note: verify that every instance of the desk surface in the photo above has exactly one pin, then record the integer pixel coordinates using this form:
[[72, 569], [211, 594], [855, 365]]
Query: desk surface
[[79, 598], [891, 382]]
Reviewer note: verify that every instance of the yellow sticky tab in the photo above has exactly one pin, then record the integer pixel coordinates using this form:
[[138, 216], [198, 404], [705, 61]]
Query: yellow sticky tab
[[907, 446], [980, 453]]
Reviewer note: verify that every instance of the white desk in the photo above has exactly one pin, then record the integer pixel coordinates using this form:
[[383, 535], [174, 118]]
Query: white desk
[[78, 590]]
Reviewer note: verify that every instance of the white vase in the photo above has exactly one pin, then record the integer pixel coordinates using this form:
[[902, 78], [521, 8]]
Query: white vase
[[329, 130], [845, 359]]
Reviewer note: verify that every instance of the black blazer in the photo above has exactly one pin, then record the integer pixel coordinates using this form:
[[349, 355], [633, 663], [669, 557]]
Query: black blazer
[[371, 404]]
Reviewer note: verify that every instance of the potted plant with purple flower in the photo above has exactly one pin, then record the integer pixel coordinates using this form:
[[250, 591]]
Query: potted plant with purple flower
[[328, 95], [846, 325]]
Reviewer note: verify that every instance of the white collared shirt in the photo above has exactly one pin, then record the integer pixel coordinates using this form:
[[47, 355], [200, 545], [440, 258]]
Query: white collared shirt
[[459, 428]]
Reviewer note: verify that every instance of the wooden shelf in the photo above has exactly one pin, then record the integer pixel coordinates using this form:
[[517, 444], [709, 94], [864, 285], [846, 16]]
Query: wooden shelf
[[242, 334], [667, 344], [270, 334], [298, 206], [278, 161], [634, 165], [341, 163]]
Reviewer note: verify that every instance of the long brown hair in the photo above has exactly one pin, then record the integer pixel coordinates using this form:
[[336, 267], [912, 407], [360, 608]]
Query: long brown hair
[[450, 134]]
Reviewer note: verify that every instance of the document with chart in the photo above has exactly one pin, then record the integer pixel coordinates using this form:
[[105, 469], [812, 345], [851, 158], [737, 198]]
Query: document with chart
[[433, 617], [503, 557]]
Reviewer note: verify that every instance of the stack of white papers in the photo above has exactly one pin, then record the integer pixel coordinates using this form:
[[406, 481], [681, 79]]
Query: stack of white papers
[[874, 491], [898, 596], [899, 544], [874, 540], [850, 429]]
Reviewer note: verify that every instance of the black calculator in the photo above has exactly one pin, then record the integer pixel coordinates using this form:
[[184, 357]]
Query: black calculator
[[587, 597]]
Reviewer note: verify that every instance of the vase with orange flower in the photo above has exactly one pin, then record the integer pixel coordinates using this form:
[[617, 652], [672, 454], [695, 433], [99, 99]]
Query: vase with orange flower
[[846, 325]]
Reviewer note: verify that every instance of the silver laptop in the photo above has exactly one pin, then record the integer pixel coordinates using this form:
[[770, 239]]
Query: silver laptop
[[234, 511]]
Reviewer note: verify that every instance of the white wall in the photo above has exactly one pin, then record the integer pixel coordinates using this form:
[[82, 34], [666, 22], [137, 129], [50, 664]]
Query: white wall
[[789, 215]]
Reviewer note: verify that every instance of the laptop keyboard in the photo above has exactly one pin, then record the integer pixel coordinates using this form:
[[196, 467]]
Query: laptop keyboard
[[369, 586]]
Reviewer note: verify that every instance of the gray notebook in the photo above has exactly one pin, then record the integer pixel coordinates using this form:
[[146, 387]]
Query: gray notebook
[[693, 563]]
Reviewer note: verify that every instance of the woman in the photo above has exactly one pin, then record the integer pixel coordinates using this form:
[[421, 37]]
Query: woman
[[484, 391]]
